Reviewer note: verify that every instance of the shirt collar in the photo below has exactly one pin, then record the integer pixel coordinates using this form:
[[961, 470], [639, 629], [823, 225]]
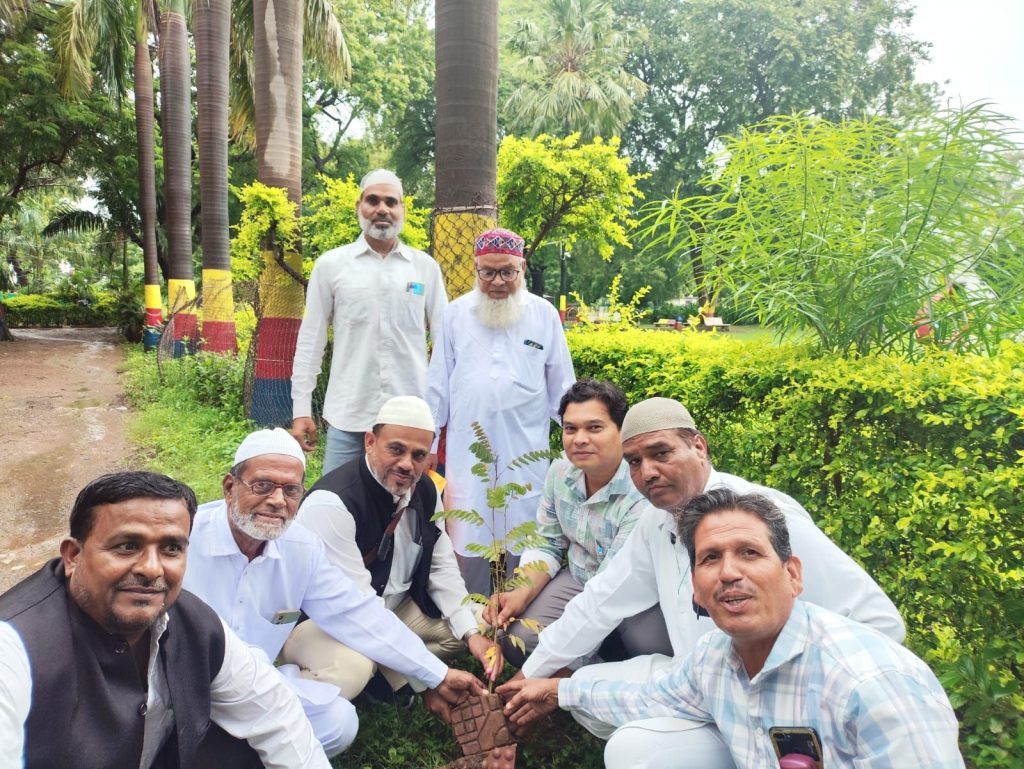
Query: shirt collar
[[222, 542], [620, 484], [791, 643], [400, 250]]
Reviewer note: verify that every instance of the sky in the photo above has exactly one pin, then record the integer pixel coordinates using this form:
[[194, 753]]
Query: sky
[[978, 46]]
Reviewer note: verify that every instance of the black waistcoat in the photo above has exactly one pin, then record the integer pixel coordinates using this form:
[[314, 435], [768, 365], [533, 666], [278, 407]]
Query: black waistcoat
[[371, 506], [88, 696]]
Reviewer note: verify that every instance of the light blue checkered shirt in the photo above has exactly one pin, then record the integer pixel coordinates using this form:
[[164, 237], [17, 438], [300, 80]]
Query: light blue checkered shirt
[[591, 530], [872, 702]]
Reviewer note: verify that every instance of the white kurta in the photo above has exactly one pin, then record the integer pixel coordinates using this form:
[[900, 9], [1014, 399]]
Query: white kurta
[[510, 381]]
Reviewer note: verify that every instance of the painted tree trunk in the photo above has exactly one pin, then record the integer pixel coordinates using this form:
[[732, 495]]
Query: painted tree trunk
[[277, 95], [211, 26], [466, 36], [145, 153]]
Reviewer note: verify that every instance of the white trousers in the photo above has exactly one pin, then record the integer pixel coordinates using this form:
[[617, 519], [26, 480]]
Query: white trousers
[[333, 718]]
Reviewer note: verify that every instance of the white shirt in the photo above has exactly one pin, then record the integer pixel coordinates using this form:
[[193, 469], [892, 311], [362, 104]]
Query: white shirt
[[293, 574], [510, 381], [380, 307], [653, 568], [326, 515], [248, 700]]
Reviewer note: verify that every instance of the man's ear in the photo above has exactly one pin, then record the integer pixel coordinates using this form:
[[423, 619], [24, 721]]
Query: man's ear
[[70, 549], [369, 439], [794, 568], [228, 484], [697, 597]]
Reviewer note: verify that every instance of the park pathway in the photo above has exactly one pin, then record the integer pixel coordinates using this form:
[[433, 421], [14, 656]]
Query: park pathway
[[62, 423]]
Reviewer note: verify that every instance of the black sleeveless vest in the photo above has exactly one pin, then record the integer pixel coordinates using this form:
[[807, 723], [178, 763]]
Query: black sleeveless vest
[[371, 506], [88, 698]]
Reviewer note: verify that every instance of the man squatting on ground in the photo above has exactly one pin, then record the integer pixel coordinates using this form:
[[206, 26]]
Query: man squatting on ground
[[380, 294], [106, 663], [373, 514], [669, 462], [775, 663], [258, 571], [589, 507], [501, 360]]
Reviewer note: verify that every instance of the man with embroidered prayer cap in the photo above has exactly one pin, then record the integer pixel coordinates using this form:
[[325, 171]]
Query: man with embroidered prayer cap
[[381, 297], [501, 361], [261, 572]]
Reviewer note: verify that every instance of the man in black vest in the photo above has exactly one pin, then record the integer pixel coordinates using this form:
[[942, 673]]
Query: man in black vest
[[373, 514], [105, 661]]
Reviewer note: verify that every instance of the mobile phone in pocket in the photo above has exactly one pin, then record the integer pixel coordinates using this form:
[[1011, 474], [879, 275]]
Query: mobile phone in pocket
[[794, 743]]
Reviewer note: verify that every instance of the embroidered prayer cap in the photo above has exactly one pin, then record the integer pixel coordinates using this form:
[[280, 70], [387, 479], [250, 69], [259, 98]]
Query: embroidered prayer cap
[[655, 414], [382, 176], [276, 441], [406, 411], [499, 241]]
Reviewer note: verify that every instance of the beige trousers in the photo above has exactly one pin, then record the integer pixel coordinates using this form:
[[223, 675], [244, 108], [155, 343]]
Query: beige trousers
[[321, 658]]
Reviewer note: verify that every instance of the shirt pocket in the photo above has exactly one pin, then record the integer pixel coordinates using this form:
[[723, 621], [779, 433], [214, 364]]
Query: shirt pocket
[[409, 307], [354, 303]]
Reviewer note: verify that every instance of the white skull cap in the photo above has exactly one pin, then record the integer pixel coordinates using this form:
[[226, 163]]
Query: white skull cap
[[406, 411], [655, 414], [276, 441], [382, 176]]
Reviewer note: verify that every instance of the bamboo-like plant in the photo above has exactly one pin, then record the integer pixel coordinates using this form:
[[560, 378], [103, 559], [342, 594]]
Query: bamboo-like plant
[[489, 470]]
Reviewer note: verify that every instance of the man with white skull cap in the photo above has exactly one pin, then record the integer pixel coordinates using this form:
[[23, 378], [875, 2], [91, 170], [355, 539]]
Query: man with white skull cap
[[260, 573], [381, 296]]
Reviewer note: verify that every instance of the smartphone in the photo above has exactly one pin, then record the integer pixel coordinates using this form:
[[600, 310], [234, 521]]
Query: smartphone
[[796, 741], [285, 617]]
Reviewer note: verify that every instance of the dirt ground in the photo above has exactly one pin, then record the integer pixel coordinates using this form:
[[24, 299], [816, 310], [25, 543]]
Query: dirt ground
[[62, 423]]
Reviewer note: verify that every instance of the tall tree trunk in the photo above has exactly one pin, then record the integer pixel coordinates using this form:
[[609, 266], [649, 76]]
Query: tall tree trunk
[[277, 95], [211, 25], [145, 153], [466, 86], [176, 121]]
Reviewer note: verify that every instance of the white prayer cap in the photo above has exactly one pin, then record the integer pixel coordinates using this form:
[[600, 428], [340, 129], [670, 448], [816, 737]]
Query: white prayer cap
[[406, 411], [655, 414], [381, 176], [276, 441]]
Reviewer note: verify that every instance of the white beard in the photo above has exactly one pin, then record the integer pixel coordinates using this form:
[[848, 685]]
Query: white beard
[[379, 230], [499, 313], [251, 526]]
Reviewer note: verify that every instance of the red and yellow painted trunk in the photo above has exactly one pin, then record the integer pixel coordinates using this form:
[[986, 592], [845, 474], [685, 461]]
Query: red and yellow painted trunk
[[154, 317], [218, 312], [181, 296]]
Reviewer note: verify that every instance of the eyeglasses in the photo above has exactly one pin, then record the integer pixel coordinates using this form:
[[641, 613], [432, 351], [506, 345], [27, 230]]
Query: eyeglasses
[[266, 488], [507, 274]]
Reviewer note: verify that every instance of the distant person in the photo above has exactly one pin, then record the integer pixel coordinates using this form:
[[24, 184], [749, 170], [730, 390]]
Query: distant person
[[589, 507], [260, 573], [382, 296], [501, 361], [780, 678], [670, 463], [106, 662]]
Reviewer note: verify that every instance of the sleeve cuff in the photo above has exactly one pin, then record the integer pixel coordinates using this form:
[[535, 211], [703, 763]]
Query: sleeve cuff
[[302, 406], [554, 566], [462, 621], [568, 694]]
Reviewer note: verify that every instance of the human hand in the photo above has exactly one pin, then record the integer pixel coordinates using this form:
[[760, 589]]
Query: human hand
[[458, 685], [527, 699], [304, 431], [489, 654], [505, 607], [436, 704]]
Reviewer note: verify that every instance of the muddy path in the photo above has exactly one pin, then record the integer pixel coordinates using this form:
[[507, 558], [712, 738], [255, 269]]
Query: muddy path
[[62, 423]]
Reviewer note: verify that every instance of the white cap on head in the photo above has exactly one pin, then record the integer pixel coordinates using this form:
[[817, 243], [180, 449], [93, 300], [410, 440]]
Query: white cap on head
[[406, 411], [655, 414], [276, 441], [381, 176]]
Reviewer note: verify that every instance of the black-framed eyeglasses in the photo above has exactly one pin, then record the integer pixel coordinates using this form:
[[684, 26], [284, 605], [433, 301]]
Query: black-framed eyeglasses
[[507, 274], [266, 488]]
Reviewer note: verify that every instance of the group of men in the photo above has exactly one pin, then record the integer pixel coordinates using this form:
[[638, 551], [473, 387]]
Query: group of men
[[297, 600]]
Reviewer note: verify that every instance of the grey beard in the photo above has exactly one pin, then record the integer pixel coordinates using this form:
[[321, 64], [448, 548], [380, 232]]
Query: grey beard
[[499, 313], [375, 230], [248, 525]]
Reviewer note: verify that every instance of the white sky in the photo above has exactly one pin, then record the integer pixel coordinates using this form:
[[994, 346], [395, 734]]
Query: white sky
[[978, 46]]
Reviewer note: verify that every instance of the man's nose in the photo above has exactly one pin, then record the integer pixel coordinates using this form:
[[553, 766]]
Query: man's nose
[[729, 570], [148, 564], [648, 470]]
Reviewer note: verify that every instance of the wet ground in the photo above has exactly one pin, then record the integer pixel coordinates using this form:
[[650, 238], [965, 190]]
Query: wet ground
[[62, 423]]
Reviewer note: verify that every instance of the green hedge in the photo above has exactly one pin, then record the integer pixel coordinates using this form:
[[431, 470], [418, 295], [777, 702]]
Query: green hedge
[[916, 469], [49, 311]]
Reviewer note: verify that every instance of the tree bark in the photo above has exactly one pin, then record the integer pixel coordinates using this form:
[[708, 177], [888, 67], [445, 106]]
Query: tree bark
[[146, 156]]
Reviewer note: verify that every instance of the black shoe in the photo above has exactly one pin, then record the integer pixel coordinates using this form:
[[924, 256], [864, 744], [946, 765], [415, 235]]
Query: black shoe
[[379, 690]]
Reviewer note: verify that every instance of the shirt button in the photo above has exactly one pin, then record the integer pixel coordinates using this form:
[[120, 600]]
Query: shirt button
[[121, 647], [143, 709], [760, 732]]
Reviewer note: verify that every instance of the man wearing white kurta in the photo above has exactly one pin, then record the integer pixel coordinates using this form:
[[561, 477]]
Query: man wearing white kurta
[[670, 464], [381, 295], [259, 572], [501, 360]]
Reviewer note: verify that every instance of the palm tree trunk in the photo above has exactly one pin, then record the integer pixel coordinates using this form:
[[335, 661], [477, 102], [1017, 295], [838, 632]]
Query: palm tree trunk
[[277, 94], [176, 121], [145, 153], [211, 25], [466, 87]]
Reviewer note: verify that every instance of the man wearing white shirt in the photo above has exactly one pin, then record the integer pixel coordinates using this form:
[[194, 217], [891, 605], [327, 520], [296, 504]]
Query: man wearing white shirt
[[670, 464], [381, 296], [374, 516], [106, 662], [260, 573]]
